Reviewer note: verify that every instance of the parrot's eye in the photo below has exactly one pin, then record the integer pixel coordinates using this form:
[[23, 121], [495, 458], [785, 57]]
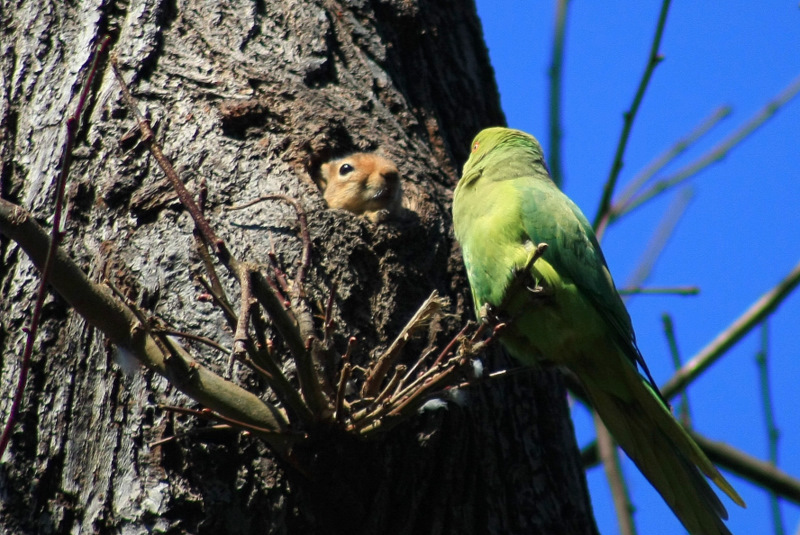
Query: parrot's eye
[[345, 169], [475, 146]]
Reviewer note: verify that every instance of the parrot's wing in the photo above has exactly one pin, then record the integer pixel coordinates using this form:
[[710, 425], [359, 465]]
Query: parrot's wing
[[466, 251], [551, 217]]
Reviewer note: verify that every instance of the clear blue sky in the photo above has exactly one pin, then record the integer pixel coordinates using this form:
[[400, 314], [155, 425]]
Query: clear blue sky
[[741, 233]]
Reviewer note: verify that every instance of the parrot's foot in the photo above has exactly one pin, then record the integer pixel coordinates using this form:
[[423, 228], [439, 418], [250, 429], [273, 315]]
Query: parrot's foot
[[525, 275], [534, 254], [490, 315], [539, 291]]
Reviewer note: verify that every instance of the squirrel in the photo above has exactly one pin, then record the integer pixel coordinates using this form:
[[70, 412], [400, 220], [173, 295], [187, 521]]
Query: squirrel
[[362, 183]]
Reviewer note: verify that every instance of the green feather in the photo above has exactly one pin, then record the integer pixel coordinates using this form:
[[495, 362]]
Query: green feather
[[568, 312]]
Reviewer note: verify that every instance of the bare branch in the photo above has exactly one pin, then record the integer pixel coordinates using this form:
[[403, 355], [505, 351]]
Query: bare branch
[[556, 78], [99, 308], [759, 472], [754, 315], [668, 156], [421, 319], [658, 241], [718, 152], [616, 480], [148, 137], [769, 420], [59, 227], [653, 60], [659, 290], [669, 332]]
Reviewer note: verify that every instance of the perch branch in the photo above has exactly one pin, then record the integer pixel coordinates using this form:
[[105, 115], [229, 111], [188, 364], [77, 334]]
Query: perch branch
[[421, 319]]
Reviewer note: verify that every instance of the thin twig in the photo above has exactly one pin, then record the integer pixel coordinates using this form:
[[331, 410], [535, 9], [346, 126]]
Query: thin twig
[[328, 323], [421, 319], [101, 309], [219, 300], [208, 414], [661, 290], [658, 241], [556, 79], [281, 286], [668, 156], [281, 317], [616, 480], [391, 387], [344, 377], [196, 337], [669, 331], [718, 152], [448, 349], [311, 383], [754, 315], [73, 123], [769, 420], [202, 248], [653, 59], [215, 284], [240, 337], [189, 433], [762, 473], [148, 137]]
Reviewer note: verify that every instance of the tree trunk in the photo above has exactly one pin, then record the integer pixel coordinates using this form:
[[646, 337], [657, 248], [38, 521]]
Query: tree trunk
[[247, 99]]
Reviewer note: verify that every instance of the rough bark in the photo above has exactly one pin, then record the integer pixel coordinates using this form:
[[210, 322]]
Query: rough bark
[[247, 98]]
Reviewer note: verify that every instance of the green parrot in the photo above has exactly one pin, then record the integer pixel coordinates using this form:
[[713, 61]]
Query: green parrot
[[561, 307]]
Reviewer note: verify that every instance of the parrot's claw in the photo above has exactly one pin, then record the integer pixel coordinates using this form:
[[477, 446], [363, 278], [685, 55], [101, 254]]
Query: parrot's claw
[[534, 255], [492, 316], [488, 314], [539, 290]]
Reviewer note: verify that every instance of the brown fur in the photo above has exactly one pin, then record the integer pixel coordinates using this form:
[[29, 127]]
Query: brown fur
[[363, 183]]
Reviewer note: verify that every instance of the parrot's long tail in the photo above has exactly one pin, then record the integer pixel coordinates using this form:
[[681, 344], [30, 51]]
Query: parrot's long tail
[[661, 448]]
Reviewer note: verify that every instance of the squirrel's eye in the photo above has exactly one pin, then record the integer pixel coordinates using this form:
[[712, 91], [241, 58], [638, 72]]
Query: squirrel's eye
[[475, 146], [345, 169]]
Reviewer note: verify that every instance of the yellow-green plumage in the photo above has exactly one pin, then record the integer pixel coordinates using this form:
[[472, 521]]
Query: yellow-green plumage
[[570, 313]]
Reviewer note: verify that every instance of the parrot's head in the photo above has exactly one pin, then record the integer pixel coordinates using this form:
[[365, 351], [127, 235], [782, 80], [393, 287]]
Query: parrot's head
[[495, 145]]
